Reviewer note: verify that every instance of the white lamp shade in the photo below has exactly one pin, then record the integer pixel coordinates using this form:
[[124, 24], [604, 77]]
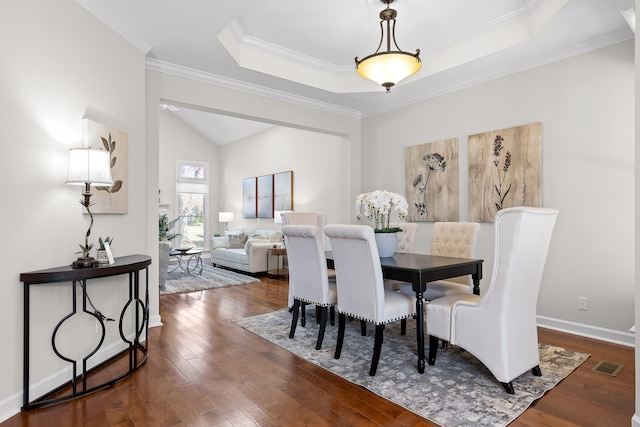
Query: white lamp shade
[[89, 166], [388, 67], [225, 216]]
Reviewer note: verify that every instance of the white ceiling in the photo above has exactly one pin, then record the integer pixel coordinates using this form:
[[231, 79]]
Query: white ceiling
[[303, 51]]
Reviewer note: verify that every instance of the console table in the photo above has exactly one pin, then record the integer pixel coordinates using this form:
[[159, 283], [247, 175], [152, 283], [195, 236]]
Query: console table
[[135, 350]]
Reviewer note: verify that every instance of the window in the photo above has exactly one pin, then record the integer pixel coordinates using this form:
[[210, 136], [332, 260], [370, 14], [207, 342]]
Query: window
[[192, 207]]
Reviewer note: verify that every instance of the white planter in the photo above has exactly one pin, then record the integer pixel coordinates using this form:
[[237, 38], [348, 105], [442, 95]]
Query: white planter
[[102, 257], [387, 244]]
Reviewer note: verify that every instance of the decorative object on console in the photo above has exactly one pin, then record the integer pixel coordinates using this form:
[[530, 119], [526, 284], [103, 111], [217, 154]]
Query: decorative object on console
[[387, 68], [377, 206], [88, 167], [102, 254], [431, 181], [225, 217]]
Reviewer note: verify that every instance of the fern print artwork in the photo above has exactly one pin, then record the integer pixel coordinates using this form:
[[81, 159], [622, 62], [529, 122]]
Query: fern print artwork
[[504, 170]]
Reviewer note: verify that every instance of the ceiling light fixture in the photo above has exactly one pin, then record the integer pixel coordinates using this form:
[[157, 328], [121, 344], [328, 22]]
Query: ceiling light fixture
[[389, 67]]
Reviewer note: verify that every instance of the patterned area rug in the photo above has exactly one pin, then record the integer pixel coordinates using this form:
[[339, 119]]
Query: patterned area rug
[[457, 391], [212, 277]]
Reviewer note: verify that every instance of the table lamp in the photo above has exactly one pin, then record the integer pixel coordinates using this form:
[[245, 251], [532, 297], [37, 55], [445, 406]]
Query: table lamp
[[225, 217], [88, 166]]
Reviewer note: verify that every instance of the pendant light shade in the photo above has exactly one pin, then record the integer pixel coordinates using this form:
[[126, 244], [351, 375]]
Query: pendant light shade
[[388, 67]]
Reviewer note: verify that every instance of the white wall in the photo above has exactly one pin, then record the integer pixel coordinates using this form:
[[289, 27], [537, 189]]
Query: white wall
[[59, 63], [313, 157], [179, 141], [586, 106]]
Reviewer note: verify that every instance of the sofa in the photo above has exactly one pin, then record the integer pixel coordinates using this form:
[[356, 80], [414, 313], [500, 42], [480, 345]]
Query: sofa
[[244, 249]]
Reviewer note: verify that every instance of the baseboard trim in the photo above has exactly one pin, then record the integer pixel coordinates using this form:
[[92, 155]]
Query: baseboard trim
[[588, 331]]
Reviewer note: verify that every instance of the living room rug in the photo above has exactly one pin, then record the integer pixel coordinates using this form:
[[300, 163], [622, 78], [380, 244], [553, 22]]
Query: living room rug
[[457, 391], [212, 277]]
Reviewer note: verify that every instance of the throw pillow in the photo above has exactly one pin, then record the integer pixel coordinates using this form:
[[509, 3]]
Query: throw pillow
[[237, 241]]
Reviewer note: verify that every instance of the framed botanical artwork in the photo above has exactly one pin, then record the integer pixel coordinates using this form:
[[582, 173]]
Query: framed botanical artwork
[[249, 198], [431, 181], [283, 191], [265, 196], [115, 198], [504, 170]]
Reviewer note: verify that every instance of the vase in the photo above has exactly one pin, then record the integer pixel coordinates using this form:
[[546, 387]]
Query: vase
[[387, 244], [102, 257]]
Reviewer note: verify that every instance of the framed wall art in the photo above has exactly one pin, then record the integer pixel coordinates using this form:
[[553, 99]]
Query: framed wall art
[[283, 191], [265, 196], [112, 199], [431, 181], [249, 199], [504, 170]]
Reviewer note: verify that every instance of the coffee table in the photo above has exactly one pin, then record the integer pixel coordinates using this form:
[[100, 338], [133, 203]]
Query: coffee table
[[192, 265]]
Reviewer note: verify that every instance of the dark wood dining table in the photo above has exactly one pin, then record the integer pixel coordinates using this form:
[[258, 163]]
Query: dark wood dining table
[[419, 270]]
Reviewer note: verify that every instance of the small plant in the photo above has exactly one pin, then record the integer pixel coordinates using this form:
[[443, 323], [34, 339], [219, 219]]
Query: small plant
[[102, 242], [165, 226], [216, 234]]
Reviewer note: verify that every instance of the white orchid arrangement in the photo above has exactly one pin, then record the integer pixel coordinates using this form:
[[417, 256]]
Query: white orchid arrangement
[[377, 206]]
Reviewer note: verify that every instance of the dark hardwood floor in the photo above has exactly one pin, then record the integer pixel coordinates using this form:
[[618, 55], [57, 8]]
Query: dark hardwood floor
[[205, 371]]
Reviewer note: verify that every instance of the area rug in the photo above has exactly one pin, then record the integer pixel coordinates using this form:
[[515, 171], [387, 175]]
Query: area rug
[[212, 277], [457, 391]]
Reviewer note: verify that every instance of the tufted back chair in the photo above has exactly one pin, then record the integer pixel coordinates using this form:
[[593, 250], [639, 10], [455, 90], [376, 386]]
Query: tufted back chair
[[361, 293], [499, 328], [455, 239], [308, 268], [407, 237]]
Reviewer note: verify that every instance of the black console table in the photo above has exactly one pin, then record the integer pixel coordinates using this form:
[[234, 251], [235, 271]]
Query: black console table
[[135, 349]]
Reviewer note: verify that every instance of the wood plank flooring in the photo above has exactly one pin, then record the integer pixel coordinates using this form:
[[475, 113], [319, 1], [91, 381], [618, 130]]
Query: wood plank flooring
[[205, 371]]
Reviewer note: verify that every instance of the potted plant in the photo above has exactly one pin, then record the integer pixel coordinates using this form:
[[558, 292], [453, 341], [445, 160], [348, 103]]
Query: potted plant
[[377, 206], [101, 255], [165, 226]]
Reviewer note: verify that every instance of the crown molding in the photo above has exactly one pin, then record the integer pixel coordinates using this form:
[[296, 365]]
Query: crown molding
[[96, 9], [190, 73]]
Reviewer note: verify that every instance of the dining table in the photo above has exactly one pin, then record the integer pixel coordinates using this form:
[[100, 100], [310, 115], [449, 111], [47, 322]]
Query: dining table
[[419, 270]]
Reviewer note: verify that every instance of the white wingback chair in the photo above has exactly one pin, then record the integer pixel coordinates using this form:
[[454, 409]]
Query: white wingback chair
[[361, 293], [303, 218], [499, 328], [308, 268]]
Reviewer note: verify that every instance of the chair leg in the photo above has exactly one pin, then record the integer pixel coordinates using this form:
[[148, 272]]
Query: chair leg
[[403, 326], [508, 387], [377, 349], [341, 324], [318, 309], [294, 318], [323, 326], [433, 350], [363, 328], [303, 314], [332, 315], [536, 371]]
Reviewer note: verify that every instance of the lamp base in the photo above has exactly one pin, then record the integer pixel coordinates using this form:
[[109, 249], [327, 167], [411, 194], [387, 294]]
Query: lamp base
[[84, 263]]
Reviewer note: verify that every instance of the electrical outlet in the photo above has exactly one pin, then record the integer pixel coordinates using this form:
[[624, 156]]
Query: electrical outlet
[[583, 303]]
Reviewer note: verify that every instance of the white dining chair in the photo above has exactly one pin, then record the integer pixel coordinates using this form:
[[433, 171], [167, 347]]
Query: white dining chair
[[499, 328], [359, 282], [308, 268], [406, 243], [302, 218]]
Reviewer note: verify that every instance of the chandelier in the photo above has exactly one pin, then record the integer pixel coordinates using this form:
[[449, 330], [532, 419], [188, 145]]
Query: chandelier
[[388, 67]]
